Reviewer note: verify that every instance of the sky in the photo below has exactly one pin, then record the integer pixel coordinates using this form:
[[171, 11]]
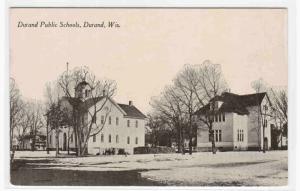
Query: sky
[[144, 54]]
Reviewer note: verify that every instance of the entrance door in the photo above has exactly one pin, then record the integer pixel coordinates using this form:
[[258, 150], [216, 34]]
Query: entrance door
[[65, 142], [266, 143]]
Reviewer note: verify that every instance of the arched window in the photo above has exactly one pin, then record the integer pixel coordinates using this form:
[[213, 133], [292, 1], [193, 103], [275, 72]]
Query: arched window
[[128, 140], [109, 138], [117, 138]]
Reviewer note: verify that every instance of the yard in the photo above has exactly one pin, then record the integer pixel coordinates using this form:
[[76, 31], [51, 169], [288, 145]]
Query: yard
[[199, 169]]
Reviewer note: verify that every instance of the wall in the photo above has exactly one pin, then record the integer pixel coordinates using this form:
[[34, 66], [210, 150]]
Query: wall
[[240, 122], [255, 129], [121, 130], [225, 126]]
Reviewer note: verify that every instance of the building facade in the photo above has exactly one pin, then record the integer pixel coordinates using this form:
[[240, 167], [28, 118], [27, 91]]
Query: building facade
[[116, 128], [237, 122]]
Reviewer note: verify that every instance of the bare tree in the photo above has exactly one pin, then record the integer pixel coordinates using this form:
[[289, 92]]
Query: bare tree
[[259, 86], [279, 110], [57, 118], [198, 84], [83, 119], [36, 123], [170, 109], [16, 105]]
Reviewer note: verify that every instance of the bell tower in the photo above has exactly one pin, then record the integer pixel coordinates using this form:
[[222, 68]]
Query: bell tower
[[83, 91]]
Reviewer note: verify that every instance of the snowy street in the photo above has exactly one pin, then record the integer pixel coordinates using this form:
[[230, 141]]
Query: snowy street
[[199, 169]]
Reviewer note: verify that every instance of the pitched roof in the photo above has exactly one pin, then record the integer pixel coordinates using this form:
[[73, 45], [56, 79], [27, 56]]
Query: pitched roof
[[90, 102], [234, 103], [132, 111]]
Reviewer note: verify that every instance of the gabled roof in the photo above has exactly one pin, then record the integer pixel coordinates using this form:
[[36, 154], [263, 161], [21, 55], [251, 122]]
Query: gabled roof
[[234, 103], [90, 102], [127, 110], [132, 111]]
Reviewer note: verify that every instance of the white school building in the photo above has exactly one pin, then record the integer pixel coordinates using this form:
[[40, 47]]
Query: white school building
[[237, 122], [123, 124]]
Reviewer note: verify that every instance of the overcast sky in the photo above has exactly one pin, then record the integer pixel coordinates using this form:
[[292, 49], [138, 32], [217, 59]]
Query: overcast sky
[[150, 47]]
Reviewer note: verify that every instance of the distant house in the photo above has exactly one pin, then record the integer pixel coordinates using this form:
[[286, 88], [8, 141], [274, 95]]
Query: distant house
[[27, 142], [123, 124], [237, 122]]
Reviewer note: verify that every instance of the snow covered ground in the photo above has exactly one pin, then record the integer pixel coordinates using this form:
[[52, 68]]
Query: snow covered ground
[[203, 168]]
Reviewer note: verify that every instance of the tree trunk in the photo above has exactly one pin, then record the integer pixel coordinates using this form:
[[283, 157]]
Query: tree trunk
[[57, 142], [190, 136], [47, 138], [68, 144], [211, 134]]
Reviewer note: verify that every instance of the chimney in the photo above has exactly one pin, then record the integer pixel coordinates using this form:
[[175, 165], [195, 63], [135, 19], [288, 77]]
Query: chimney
[[130, 103]]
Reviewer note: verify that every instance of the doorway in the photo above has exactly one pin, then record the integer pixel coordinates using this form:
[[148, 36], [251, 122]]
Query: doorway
[[65, 142]]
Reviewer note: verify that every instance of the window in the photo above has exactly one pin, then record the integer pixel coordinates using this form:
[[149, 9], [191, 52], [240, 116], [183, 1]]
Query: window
[[94, 138], [86, 93], [109, 138], [117, 121], [117, 138], [102, 138], [136, 140], [82, 136], [109, 120], [102, 119], [223, 116], [128, 123], [136, 123], [240, 135], [50, 139], [216, 118], [220, 119], [94, 119], [128, 140], [216, 136], [71, 138], [220, 135]]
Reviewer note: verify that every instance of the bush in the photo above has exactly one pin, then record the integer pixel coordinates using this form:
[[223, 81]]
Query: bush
[[153, 150]]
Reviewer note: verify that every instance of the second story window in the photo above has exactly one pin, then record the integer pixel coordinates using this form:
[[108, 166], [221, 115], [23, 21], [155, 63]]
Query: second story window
[[136, 140], [136, 123], [128, 123], [117, 121], [128, 140], [109, 120], [223, 116]]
